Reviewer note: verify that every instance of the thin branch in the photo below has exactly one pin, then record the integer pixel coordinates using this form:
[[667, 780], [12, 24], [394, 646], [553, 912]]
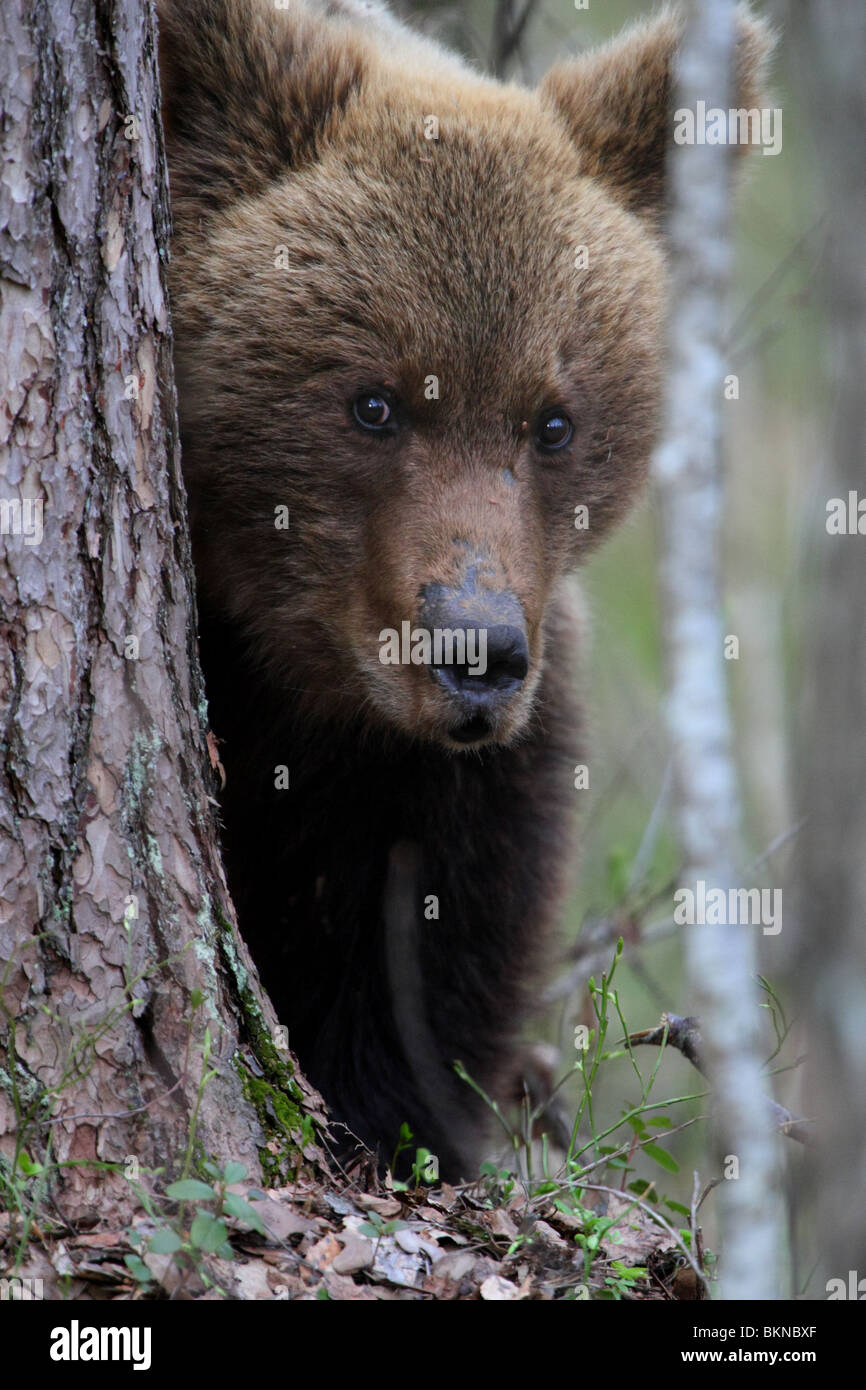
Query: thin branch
[[684, 1034]]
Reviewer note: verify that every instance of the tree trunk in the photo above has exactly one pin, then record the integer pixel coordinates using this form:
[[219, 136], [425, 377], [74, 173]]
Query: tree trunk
[[116, 930], [830, 963], [721, 959]]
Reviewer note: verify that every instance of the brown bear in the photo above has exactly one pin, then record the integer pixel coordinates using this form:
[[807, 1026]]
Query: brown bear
[[419, 337]]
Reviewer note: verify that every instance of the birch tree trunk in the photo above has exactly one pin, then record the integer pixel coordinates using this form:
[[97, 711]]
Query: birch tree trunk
[[116, 932], [830, 965], [721, 959]]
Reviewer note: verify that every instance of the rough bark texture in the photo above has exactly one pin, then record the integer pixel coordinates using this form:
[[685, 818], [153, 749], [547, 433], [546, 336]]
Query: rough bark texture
[[721, 960], [115, 927], [830, 967]]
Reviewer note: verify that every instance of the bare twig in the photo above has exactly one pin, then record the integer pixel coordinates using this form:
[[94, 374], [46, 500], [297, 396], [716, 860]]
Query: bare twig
[[684, 1034]]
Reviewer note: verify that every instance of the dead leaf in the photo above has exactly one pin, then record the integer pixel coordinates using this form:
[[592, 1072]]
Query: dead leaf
[[357, 1254], [500, 1224], [541, 1231], [455, 1265], [385, 1206], [61, 1261], [495, 1289], [430, 1214], [636, 1237], [446, 1198], [281, 1221], [324, 1252]]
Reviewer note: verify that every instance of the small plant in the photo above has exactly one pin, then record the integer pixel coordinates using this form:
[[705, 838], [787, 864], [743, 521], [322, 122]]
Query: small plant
[[499, 1184], [425, 1168], [597, 1157], [190, 1235], [404, 1142], [188, 1238], [375, 1226], [622, 1280]]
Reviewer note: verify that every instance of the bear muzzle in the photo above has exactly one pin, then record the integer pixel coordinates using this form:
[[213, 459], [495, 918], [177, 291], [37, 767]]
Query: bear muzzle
[[495, 651]]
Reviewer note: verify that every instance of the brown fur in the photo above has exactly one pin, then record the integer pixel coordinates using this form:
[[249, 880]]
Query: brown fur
[[617, 103], [409, 258]]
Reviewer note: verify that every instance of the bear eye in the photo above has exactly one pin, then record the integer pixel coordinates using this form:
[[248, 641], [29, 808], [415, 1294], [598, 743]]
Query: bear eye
[[554, 430], [371, 410]]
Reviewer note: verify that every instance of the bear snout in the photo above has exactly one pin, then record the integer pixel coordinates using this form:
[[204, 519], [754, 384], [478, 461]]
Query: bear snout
[[482, 672]]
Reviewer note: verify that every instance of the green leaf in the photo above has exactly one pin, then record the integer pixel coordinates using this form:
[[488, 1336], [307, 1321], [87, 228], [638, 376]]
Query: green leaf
[[137, 1268], [662, 1158], [165, 1241], [662, 1122], [242, 1211], [677, 1207], [234, 1172], [207, 1232], [190, 1190]]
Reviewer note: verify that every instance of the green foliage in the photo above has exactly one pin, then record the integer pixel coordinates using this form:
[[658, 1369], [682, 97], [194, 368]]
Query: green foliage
[[599, 1156], [376, 1226], [424, 1170], [197, 1228], [499, 1184], [622, 1280]]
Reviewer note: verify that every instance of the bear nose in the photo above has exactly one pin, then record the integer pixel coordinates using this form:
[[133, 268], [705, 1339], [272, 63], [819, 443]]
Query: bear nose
[[501, 661], [495, 647]]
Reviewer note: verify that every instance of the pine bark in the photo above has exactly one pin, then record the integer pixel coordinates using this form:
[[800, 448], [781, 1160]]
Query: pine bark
[[117, 939]]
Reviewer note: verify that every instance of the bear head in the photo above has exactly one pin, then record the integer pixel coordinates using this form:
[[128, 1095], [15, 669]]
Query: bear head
[[419, 321]]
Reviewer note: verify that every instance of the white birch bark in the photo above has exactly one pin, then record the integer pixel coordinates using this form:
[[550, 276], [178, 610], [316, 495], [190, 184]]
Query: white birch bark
[[829, 44], [721, 960]]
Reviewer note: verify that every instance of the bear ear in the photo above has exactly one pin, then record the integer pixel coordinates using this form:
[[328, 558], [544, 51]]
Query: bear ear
[[617, 102], [249, 91]]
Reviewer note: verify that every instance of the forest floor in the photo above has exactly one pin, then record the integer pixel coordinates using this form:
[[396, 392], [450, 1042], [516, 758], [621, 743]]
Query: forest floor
[[357, 1238]]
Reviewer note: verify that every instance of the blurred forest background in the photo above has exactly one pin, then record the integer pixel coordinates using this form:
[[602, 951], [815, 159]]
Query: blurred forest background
[[775, 499]]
